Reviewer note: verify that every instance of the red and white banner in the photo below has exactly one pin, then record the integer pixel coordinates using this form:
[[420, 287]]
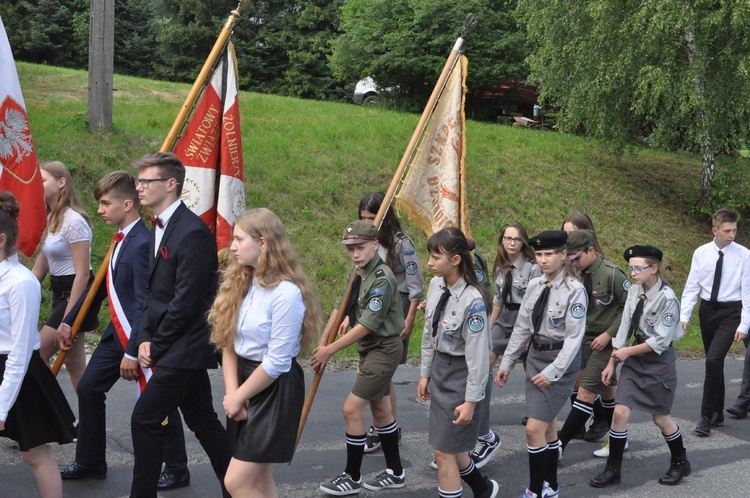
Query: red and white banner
[[19, 167], [211, 148]]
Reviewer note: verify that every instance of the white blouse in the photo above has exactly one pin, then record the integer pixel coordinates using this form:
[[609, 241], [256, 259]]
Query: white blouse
[[269, 326], [20, 295], [56, 245]]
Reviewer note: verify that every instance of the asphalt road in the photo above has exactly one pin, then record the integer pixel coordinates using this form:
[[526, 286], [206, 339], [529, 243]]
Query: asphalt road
[[719, 462]]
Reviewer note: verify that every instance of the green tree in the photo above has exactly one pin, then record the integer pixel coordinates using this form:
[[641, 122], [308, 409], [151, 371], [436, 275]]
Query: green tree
[[674, 71], [403, 44]]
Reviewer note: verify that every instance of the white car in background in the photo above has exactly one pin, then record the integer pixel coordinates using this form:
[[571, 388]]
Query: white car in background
[[366, 92]]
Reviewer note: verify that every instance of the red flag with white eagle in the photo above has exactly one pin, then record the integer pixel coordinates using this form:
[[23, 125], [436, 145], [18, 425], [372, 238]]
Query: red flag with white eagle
[[19, 167], [211, 149]]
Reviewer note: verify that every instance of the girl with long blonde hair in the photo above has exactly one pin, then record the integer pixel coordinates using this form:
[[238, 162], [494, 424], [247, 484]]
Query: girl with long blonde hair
[[66, 256], [263, 316]]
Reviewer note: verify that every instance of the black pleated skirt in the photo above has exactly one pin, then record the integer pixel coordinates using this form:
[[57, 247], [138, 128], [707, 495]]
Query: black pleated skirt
[[270, 432], [41, 414]]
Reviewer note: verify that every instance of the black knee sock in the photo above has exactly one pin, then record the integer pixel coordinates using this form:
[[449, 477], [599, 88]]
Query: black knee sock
[[474, 479], [355, 451], [537, 468], [576, 419], [551, 474], [599, 414], [609, 410], [389, 441], [676, 447], [617, 442]]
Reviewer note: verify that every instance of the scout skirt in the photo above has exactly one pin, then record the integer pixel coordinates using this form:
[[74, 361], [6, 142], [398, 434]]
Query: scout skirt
[[544, 403], [41, 413], [648, 382], [503, 328], [447, 391], [273, 416]]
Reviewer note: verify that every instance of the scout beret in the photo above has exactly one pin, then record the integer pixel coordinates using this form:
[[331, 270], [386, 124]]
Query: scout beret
[[358, 232], [642, 252], [578, 240], [549, 239]]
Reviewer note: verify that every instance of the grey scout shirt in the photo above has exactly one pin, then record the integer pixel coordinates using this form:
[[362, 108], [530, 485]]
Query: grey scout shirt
[[565, 321], [660, 321], [406, 268], [379, 308], [610, 291], [463, 331], [523, 272]]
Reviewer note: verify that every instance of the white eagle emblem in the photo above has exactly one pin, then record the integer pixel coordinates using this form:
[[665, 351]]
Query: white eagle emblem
[[15, 135]]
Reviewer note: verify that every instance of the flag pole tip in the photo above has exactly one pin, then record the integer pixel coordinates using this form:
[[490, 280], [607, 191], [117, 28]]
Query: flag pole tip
[[469, 24]]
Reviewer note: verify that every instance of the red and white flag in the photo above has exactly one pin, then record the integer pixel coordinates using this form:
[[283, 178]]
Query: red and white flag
[[19, 167], [211, 149]]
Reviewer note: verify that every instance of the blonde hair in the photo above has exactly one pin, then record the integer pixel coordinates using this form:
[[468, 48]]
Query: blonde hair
[[66, 199], [278, 262]]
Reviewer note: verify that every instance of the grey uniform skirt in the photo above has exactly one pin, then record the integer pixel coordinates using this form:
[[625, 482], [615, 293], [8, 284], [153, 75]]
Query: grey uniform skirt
[[502, 330], [544, 403], [447, 391], [648, 382]]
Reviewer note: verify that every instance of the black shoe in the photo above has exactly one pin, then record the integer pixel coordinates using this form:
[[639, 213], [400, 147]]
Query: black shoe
[[678, 468], [704, 427], [581, 434], [173, 480], [717, 420], [597, 431], [75, 471], [737, 411], [524, 420], [611, 475]]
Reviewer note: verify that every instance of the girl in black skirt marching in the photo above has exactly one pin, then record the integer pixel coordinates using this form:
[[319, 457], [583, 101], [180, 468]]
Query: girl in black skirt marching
[[455, 362], [33, 409], [648, 378], [264, 314]]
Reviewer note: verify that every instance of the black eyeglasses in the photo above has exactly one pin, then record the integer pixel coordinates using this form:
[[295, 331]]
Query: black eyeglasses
[[513, 240], [145, 182]]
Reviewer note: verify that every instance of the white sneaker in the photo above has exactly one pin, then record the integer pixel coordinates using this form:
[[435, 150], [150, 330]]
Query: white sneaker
[[603, 452], [433, 464], [548, 492], [528, 494]]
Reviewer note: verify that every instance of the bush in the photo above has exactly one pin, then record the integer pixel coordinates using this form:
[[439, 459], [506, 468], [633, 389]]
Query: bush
[[730, 188]]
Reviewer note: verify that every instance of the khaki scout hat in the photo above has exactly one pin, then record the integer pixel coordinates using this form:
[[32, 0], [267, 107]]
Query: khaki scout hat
[[358, 232], [579, 240]]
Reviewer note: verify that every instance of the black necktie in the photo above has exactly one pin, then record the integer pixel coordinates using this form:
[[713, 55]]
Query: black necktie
[[508, 284], [717, 279], [589, 286], [540, 308], [352, 307], [439, 310], [635, 320]]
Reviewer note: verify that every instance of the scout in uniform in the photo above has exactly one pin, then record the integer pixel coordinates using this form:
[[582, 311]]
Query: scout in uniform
[[648, 378], [455, 362], [553, 318], [379, 321], [607, 289]]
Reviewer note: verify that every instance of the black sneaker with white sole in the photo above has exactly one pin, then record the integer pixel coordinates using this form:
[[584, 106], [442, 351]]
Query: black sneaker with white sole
[[483, 451], [373, 440]]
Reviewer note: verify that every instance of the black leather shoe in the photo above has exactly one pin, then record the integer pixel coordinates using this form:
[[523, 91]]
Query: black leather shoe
[[717, 420], [581, 434], [737, 411], [597, 431], [173, 480], [704, 427], [678, 468], [611, 475], [75, 471]]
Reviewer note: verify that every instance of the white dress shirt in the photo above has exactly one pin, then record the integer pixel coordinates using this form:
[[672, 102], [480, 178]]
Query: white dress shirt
[[164, 217], [20, 295], [735, 279], [116, 252], [269, 326]]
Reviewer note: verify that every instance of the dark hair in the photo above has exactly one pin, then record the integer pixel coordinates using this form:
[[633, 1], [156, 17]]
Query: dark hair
[[451, 241], [725, 215], [169, 166], [502, 260], [120, 184], [9, 209], [388, 228], [583, 222]]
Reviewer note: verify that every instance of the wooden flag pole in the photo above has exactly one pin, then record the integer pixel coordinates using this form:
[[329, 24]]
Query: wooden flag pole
[[469, 24]]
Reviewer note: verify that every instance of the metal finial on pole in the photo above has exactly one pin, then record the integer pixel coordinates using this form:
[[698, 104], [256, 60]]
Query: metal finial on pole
[[469, 24]]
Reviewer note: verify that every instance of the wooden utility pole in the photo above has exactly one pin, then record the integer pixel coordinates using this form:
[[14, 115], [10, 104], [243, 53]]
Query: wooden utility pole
[[101, 63]]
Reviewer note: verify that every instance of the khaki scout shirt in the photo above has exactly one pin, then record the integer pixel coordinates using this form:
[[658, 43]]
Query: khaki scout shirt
[[462, 331], [379, 306], [610, 291], [565, 321]]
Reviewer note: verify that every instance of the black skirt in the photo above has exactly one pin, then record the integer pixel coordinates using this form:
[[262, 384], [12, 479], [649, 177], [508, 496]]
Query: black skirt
[[41, 414], [61, 286], [273, 416]]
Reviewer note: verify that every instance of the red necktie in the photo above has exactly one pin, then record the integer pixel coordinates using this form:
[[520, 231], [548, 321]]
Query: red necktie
[[155, 220], [118, 237]]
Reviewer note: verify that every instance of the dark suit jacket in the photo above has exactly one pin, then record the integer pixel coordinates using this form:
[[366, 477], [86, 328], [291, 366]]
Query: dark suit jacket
[[130, 278], [181, 289]]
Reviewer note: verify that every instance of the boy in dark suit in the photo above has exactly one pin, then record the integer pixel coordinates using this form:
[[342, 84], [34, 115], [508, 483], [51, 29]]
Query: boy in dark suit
[[116, 354], [172, 332]]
